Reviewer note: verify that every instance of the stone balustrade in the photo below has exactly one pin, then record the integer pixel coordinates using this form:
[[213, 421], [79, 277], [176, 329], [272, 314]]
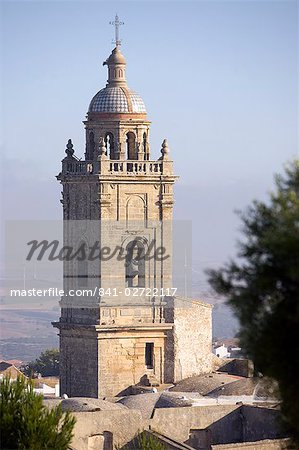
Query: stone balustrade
[[77, 167], [116, 167], [135, 167]]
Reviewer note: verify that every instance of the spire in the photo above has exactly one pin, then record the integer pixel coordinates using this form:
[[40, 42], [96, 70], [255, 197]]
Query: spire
[[117, 23], [116, 63]]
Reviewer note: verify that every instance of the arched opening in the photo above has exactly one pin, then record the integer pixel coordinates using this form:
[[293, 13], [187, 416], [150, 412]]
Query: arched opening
[[135, 264], [135, 211], [131, 145], [109, 143], [91, 145]]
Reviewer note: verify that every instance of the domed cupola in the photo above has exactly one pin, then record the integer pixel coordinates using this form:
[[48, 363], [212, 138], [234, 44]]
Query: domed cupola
[[116, 97]]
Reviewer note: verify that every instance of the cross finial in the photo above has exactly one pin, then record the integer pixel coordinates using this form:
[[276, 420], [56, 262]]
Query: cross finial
[[116, 23]]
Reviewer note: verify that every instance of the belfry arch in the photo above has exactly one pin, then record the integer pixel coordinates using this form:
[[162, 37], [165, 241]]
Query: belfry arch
[[110, 145], [135, 264], [131, 145]]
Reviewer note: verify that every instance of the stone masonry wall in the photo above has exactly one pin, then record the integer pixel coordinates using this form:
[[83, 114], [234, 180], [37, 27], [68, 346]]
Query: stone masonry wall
[[122, 424], [261, 423], [122, 359], [165, 421], [78, 362], [273, 444], [96, 429], [192, 338]]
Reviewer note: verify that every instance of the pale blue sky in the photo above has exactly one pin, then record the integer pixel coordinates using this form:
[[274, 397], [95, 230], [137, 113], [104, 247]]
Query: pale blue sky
[[219, 80]]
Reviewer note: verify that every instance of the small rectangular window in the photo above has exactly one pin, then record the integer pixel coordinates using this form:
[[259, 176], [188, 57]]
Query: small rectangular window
[[149, 355]]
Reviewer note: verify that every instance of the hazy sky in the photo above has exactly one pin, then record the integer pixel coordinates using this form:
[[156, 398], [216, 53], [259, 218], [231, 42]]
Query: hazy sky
[[219, 80]]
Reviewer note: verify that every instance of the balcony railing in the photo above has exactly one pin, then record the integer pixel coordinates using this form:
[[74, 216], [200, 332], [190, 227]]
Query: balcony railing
[[135, 167], [77, 167], [119, 167]]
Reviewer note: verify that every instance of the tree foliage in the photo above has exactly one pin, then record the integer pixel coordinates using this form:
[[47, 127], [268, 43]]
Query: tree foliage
[[47, 364], [262, 287], [143, 441], [26, 424]]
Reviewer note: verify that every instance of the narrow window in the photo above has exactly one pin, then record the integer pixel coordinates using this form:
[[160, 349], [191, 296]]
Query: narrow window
[[149, 355]]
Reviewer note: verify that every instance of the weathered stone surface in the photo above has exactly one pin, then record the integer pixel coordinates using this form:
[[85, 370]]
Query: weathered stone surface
[[166, 421], [267, 444], [205, 427], [189, 346], [234, 366], [122, 424], [122, 357], [204, 384], [81, 404]]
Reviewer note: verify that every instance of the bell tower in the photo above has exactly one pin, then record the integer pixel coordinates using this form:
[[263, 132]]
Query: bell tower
[[117, 210]]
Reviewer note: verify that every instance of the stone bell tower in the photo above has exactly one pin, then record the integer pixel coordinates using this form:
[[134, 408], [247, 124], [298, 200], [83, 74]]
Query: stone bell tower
[[120, 324], [121, 198]]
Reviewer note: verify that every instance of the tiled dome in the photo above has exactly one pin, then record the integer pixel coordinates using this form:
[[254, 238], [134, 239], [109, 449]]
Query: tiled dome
[[117, 99]]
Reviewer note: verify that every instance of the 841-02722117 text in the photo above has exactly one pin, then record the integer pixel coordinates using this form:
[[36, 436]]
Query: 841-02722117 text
[[138, 292]]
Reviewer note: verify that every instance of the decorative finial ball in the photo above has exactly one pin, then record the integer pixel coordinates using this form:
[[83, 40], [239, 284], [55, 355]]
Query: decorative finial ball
[[69, 148], [102, 147], [165, 148]]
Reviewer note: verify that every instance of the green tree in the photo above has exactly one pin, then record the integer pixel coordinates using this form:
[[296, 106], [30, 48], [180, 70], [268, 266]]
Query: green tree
[[47, 364], [143, 440], [26, 424], [262, 286]]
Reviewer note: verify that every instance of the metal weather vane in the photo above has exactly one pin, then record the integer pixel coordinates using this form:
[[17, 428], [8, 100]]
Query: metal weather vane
[[116, 23]]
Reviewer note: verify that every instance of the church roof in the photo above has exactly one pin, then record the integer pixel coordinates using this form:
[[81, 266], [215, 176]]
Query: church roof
[[146, 403], [80, 404], [117, 99]]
